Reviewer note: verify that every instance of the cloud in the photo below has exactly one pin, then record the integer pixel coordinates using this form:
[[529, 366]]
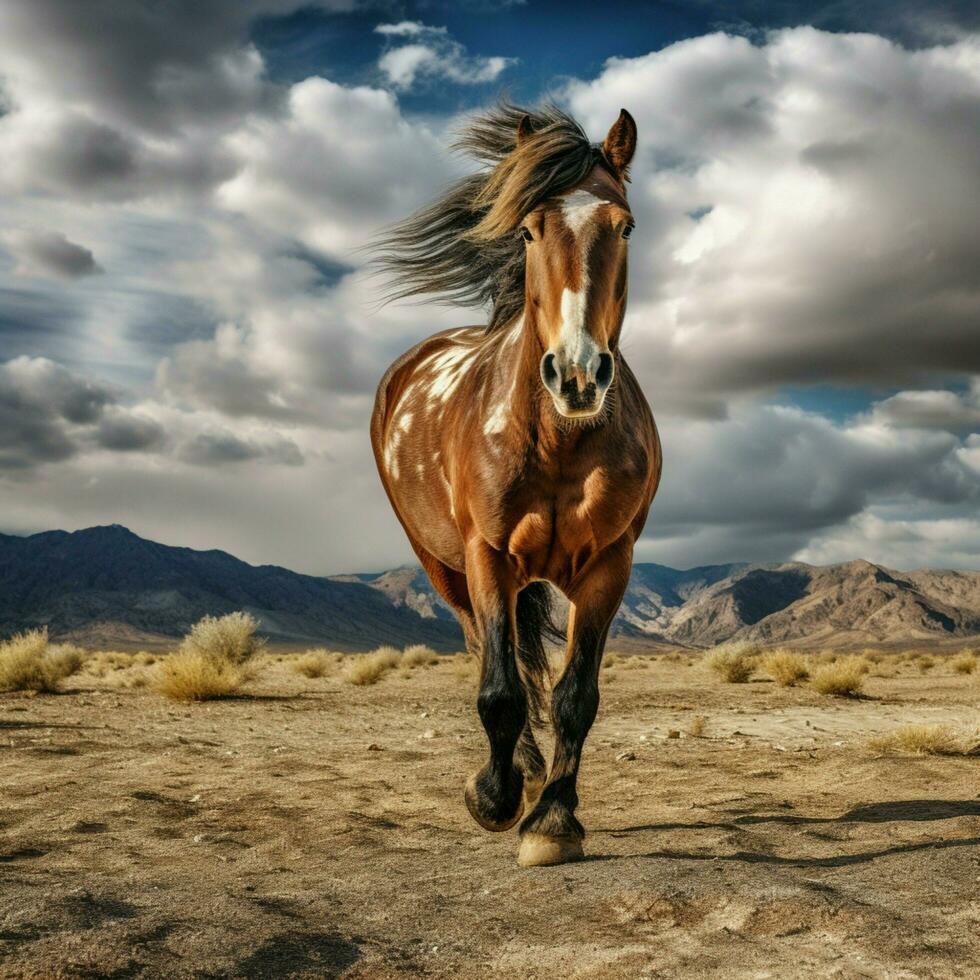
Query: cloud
[[337, 163], [124, 431], [431, 53], [767, 480], [41, 407], [49, 253], [949, 410], [49, 414], [806, 211], [898, 543], [209, 448]]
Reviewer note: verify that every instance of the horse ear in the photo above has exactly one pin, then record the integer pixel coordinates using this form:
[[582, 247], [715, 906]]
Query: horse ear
[[524, 129], [620, 143]]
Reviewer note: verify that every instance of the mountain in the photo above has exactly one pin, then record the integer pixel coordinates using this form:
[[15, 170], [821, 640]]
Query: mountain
[[107, 586], [851, 604]]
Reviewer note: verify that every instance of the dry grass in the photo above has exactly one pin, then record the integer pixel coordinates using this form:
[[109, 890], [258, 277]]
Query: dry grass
[[925, 663], [965, 663], [369, 668], [843, 678], [317, 663], [212, 661], [194, 676], [29, 663], [466, 667], [697, 726], [419, 655], [230, 639], [918, 740], [785, 667], [733, 663]]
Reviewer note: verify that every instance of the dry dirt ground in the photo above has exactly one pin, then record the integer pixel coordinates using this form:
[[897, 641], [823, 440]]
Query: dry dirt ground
[[316, 829]]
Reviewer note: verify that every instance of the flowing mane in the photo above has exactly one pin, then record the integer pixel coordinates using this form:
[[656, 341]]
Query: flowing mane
[[463, 247]]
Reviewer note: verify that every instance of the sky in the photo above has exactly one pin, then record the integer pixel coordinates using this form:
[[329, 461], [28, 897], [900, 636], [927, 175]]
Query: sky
[[189, 340]]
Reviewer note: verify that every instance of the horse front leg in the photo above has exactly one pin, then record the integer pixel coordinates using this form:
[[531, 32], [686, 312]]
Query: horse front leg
[[551, 833], [494, 794]]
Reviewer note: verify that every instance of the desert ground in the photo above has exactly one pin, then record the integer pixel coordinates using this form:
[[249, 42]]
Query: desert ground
[[311, 827]]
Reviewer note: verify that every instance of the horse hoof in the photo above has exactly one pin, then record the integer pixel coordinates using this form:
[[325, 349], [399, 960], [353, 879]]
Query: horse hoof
[[473, 803], [539, 850]]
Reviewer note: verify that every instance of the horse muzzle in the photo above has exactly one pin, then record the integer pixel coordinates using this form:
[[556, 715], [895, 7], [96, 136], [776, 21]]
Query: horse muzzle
[[578, 385]]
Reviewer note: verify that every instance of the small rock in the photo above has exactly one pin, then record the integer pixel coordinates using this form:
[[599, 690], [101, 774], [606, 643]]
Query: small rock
[[374, 747], [626, 756], [196, 798], [429, 733], [424, 714], [673, 733]]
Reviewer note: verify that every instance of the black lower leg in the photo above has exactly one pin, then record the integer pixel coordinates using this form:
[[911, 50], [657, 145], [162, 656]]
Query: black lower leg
[[494, 794], [574, 704]]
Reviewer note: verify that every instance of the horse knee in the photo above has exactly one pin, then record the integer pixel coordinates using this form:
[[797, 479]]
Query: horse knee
[[502, 708]]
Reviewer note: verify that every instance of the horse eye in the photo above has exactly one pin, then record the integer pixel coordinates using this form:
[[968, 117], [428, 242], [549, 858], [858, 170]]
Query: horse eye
[[526, 235], [628, 230]]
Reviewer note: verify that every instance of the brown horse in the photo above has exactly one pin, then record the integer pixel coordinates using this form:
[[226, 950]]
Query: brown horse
[[524, 452]]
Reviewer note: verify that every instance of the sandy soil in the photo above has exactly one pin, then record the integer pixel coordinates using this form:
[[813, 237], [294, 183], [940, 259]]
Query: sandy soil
[[317, 829]]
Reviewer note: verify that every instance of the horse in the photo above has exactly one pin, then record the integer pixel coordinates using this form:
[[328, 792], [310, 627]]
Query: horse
[[522, 454]]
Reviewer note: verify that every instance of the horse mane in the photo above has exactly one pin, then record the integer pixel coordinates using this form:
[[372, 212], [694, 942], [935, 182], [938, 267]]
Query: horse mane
[[464, 246]]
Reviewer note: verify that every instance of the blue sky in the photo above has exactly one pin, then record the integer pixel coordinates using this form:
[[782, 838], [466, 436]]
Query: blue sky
[[189, 342]]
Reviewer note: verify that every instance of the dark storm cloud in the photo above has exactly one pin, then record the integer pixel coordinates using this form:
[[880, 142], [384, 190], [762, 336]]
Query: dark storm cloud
[[41, 404], [50, 253], [210, 448], [125, 432]]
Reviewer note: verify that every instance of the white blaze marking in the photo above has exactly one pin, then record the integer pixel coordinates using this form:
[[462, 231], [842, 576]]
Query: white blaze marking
[[577, 208], [575, 343]]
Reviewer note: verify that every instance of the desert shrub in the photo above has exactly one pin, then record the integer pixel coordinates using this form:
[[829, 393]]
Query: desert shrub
[[212, 660], [697, 726], [28, 663], [191, 675], [732, 662], [965, 663], [369, 668], [785, 667], [918, 740], [610, 660], [419, 655], [843, 678], [230, 639], [316, 663], [925, 663]]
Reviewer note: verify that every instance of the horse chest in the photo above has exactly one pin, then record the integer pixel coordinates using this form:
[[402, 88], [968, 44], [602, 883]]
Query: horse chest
[[552, 524]]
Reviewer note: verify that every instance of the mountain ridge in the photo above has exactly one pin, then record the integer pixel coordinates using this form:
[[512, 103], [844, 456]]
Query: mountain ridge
[[108, 585]]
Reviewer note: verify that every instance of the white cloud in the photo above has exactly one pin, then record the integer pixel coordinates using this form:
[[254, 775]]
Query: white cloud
[[432, 53], [806, 210], [949, 410]]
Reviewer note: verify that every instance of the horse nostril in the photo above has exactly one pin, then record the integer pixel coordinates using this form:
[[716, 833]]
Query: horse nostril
[[548, 372], [604, 376]]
